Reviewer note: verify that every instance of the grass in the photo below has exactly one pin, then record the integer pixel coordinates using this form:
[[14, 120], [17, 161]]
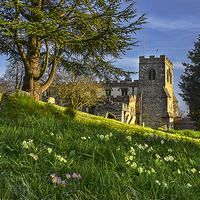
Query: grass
[[41, 147]]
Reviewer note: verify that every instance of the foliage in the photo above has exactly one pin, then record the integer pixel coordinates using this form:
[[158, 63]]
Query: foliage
[[70, 111], [79, 35], [77, 91], [94, 158], [13, 75], [190, 84]]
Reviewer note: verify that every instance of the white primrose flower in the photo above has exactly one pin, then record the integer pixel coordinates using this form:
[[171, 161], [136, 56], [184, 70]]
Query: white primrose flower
[[101, 136]]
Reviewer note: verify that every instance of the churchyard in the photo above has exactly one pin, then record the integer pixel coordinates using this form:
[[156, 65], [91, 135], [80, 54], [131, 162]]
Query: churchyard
[[48, 153]]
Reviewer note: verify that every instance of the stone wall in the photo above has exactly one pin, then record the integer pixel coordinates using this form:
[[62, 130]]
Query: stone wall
[[157, 92], [184, 124]]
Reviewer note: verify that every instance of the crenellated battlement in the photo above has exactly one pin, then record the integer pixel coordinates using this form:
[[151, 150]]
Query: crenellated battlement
[[153, 59]]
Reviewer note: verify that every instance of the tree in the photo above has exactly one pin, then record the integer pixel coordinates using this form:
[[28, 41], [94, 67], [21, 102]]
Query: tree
[[4, 85], [74, 90], [73, 33], [190, 84], [14, 75]]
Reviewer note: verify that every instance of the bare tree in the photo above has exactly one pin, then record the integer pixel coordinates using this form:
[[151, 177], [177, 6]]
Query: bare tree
[[76, 91], [14, 75], [4, 85]]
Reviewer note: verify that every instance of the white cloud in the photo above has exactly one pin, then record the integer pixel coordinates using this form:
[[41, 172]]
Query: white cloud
[[127, 62], [178, 65], [187, 23]]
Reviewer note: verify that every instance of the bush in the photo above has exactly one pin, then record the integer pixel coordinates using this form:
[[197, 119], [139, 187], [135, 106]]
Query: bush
[[70, 111]]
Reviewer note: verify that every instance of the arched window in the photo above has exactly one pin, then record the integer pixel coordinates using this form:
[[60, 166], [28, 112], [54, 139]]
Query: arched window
[[152, 74], [169, 76]]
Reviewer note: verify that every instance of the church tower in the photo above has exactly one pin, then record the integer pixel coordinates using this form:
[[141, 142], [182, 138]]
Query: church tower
[[158, 105]]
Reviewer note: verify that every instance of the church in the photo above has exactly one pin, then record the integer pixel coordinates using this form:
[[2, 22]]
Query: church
[[149, 101]]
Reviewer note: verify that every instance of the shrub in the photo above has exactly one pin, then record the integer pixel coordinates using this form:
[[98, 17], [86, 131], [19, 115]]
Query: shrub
[[70, 111]]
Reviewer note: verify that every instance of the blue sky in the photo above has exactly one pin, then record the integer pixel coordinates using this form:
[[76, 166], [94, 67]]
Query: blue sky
[[172, 29]]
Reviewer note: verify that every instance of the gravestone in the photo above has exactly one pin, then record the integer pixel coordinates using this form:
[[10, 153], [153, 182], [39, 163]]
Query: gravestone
[[51, 100]]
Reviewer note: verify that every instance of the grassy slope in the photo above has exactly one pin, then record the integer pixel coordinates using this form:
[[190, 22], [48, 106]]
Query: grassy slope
[[101, 162]]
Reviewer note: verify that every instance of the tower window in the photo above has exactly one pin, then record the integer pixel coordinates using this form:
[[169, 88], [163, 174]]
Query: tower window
[[152, 74], [169, 76], [124, 92], [108, 93]]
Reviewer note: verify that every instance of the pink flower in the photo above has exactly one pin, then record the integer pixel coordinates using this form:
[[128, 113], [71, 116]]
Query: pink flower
[[79, 176], [56, 180], [68, 176], [74, 175], [53, 175]]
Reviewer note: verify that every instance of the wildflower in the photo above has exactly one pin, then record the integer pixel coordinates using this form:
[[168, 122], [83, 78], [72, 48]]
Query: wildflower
[[170, 150], [53, 175], [107, 137], [83, 138], [134, 165], [148, 172], [35, 157], [132, 151], [49, 150], [63, 183], [56, 180], [179, 171], [155, 135], [68, 176], [129, 138], [101, 136], [89, 137], [189, 185], [74, 175], [79, 176], [157, 156], [150, 149], [61, 159], [193, 170], [162, 142], [111, 134], [126, 158], [157, 181], [51, 134], [164, 184], [140, 146], [166, 158], [171, 158], [128, 163], [146, 145], [25, 145], [140, 170], [131, 158], [152, 170]]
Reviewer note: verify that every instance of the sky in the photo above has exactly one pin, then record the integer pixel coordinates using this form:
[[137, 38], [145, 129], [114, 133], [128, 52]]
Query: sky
[[173, 27]]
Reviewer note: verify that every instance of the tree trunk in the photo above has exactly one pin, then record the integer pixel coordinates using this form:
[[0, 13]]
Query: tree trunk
[[25, 81], [34, 62]]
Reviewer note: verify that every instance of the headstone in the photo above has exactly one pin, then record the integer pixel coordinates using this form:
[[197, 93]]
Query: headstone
[[51, 100]]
